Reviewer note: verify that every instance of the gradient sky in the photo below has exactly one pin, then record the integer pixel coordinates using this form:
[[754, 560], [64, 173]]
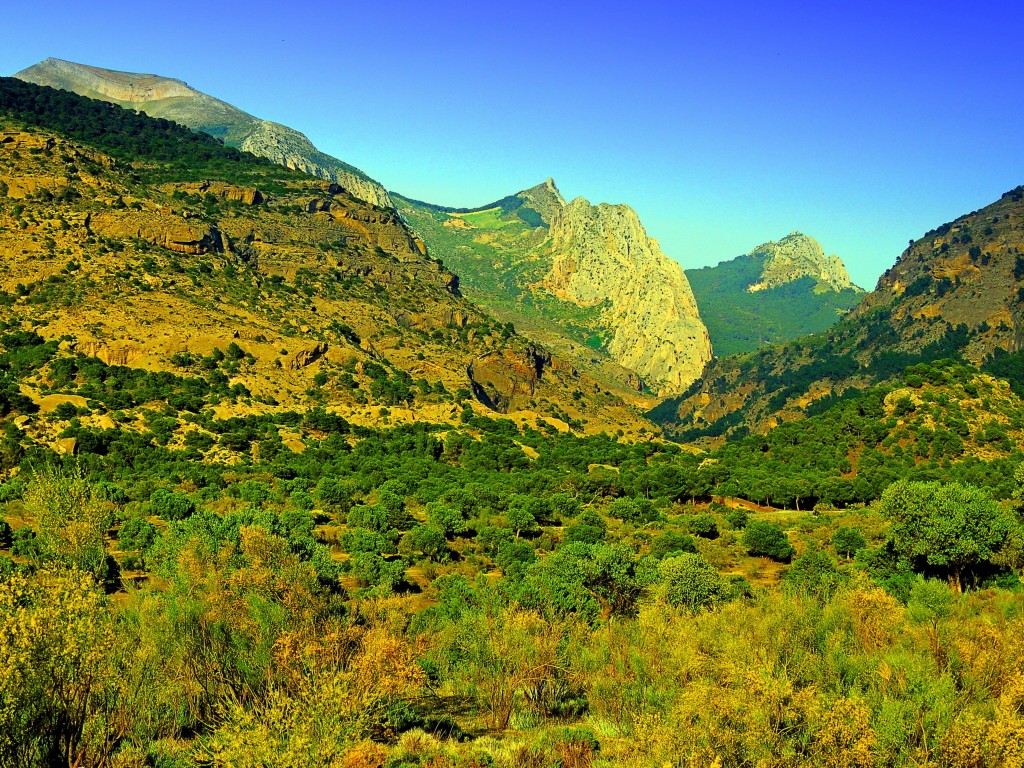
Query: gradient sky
[[724, 124]]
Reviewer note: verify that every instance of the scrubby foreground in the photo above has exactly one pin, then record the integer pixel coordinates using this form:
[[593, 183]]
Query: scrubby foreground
[[261, 621]]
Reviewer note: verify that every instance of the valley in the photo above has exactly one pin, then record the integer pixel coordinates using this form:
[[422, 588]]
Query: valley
[[297, 471]]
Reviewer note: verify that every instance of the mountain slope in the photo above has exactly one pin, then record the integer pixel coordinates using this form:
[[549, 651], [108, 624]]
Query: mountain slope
[[777, 292], [955, 292], [328, 301], [585, 279], [170, 99]]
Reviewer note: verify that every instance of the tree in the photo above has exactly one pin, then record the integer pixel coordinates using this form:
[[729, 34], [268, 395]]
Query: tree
[[691, 581], [815, 573], [946, 527], [449, 520], [520, 519], [428, 539], [170, 505], [589, 528], [767, 540], [704, 525], [73, 522], [669, 542], [848, 541], [737, 518]]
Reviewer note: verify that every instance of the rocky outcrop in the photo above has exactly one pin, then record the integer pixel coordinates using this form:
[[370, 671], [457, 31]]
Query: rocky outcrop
[[115, 353], [795, 256], [545, 199], [175, 100], [504, 380], [286, 146], [167, 230], [602, 255], [229, 192], [307, 356]]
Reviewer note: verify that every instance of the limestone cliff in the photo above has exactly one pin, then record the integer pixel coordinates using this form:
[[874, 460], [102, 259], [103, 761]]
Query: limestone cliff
[[602, 254], [175, 100], [795, 256]]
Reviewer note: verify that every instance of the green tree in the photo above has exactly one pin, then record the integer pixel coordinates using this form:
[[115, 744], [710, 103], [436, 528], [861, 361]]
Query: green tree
[[946, 527], [73, 522], [815, 573], [691, 581], [848, 541], [430, 540], [669, 542], [767, 540], [704, 525], [170, 505]]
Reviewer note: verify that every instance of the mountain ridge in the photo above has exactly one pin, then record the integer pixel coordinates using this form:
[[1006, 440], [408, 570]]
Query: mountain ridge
[[174, 99], [776, 292]]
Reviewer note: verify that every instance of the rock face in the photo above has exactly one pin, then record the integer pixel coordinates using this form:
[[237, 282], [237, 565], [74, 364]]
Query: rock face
[[504, 380], [175, 100], [795, 256], [586, 280], [286, 146], [602, 255]]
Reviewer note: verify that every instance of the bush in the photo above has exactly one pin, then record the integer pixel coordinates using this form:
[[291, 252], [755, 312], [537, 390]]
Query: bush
[[737, 518], [589, 528], [814, 573], [672, 542], [848, 541], [705, 526], [691, 581], [136, 534], [767, 540], [637, 510], [170, 505]]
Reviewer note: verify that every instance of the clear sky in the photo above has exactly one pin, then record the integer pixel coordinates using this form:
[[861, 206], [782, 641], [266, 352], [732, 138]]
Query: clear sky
[[725, 124]]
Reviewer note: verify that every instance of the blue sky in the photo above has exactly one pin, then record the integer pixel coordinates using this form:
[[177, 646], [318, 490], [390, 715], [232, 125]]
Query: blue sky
[[724, 124]]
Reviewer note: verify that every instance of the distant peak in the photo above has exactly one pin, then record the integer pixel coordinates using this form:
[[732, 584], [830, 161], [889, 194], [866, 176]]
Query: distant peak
[[543, 198], [798, 255]]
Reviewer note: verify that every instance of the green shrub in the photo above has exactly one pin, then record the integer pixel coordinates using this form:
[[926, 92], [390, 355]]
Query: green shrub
[[704, 525], [737, 518], [767, 540], [672, 542], [691, 581], [171, 505], [848, 541]]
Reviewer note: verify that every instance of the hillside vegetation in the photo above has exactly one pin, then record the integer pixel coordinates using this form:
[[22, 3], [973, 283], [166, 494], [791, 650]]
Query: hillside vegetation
[[273, 492]]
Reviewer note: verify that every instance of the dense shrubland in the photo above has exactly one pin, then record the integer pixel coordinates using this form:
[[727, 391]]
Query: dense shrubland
[[435, 596]]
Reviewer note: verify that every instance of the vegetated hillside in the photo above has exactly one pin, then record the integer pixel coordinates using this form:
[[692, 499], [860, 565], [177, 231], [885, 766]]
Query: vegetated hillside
[[163, 97], [956, 292], [776, 293], [324, 299], [587, 280], [942, 420]]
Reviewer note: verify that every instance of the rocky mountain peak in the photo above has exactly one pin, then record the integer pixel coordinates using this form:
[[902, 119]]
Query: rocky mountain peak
[[543, 198], [602, 255], [798, 255]]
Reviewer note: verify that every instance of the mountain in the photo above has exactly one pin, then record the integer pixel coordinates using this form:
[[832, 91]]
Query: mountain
[[956, 292], [163, 97], [114, 250], [777, 292], [585, 279]]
